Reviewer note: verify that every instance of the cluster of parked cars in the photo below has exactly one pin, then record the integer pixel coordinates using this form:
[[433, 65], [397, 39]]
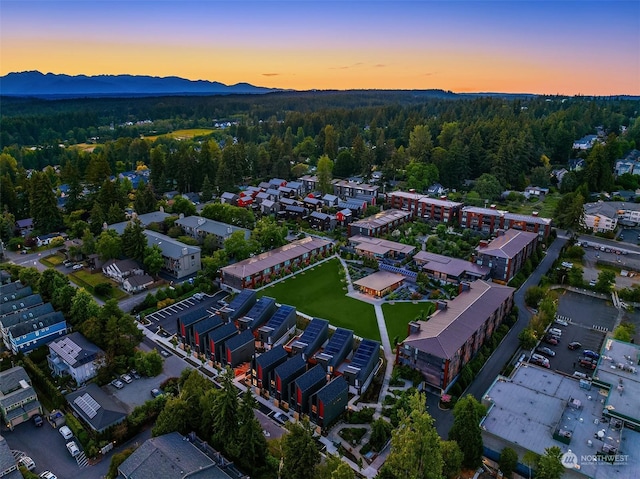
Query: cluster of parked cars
[[72, 265], [119, 382]]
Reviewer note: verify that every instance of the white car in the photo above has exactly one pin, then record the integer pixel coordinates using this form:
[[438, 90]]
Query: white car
[[73, 448], [48, 475], [66, 432], [555, 332], [27, 463], [561, 322], [76, 267], [126, 378]]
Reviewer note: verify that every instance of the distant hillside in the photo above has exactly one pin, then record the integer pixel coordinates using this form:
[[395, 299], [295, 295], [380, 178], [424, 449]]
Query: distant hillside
[[36, 84]]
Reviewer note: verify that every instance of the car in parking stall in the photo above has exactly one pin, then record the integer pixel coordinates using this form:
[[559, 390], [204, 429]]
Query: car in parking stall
[[587, 353], [65, 432], [126, 378], [551, 340], [546, 351], [27, 463], [116, 383], [574, 345], [540, 360], [48, 475], [73, 449]]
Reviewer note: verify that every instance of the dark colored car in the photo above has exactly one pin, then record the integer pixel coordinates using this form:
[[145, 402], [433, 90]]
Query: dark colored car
[[574, 345], [587, 363], [550, 340], [546, 351], [37, 420], [590, 354], [155, 392]]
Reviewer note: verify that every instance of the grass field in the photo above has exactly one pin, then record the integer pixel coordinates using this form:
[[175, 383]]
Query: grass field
[[320, 292], [545, 208], [398, 315], [89, 281], [184, 134]]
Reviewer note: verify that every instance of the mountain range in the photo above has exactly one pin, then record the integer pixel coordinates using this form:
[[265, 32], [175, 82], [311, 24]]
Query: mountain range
[[51, 85]]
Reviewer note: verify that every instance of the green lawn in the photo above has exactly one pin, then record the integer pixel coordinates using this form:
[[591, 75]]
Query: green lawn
[[320, 292], [86, 279], [398, 315]]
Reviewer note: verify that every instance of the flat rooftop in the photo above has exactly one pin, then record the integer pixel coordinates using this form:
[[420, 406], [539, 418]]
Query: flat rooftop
[[535, 404]]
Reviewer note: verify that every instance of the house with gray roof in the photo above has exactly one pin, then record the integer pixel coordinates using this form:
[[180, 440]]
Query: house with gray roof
[[200, 228], [263, 365], [217, 339], [135, 284], [380, 223], [201, 331], [96, 408], [229, 198], [506, 254], [13, 291], [284, 375], [120, 269], [145, 219], [75, 356], [20, 304], [311, 339], [180, 259], [33, 333], [8, 465], [329, 403], [259, 313], [9, 320], [336, 350], [359, 370], [440, 347], [306, 385], [18, 400], [173, 456], [449, 270], [239, 348]]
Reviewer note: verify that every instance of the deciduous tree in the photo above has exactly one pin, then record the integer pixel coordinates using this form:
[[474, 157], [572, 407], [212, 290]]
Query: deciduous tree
[[466, 430]]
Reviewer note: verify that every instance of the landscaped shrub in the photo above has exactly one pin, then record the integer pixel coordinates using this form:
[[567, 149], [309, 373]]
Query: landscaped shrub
[[103, 289], [364, 416]]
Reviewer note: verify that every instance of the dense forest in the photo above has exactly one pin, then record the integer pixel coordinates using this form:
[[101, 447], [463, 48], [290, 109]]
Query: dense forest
[[415, 137]]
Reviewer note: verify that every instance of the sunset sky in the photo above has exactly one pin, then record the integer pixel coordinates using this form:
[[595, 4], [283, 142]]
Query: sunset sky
[[570, 47]]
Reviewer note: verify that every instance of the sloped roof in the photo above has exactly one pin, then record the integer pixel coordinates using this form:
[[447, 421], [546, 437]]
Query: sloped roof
[[139, 280], [312, 377], [19, 304], [290, 367], [379, 280], [75, 349], [381, 219], [450, 266], [272, 356], [447, 330], [109, 412], [170, 248], [240, 340], [509, 244], [36, 324], [336, 387]]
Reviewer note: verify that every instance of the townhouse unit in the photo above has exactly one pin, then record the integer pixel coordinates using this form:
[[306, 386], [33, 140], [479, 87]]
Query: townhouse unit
[[8, 464], [426, 207], [506, 254], [201, 331], [321, 221], [449, 270], [19, 304], [33, 333], [200, 228], [311, 339], [346, 188], [440, 347], [309, 183], [380, 223], [379, 248], [21, 316], [485, 220], [359, 371], [239, 349], [259, 313], [283, 377], [216, 341], [145, 219], [240, 304], [18, 400], [532, 223], [12, 291], [180, 260], [329, 403], [74, 355], [229, 198], [264, 267], [279, 326], [339, 346], [186, 322], [305, 386], [263, 365]]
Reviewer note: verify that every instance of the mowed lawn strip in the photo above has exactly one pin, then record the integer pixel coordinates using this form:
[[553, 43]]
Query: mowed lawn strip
[[398, 315], [321, 293]]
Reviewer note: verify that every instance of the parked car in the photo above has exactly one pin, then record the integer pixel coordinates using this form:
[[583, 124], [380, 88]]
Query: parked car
[[76, 267], [37, 420], [155, 392], [574, 345], [68, 264], [551, 340], [579, 375], [587, 363], [65, 432], [164, 353], [198, 296], [27, 463], [134, 374], [587, 353], [546, 351], [555, 331], [72, 447], [116, 383], [539, 360], [281, 417], [48, 475], [126, 378], [561, 322]]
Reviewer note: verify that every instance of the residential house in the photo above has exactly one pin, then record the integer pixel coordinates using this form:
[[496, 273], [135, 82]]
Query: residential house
[[344, 217], [329, 403], [440, 347], [274, 194], [283, 377], [309, 183], [339, 346], [359, 371], [282, 323], [261, 197], [380, 223], [136, 284], [244, 201], [73, 355], [330, 201], [346, 188], [185, 323], [305, 386], [24, 226], [366, 199], [18, 400], [21, 316], [311, 339], [531, 223], [264, 267], [268, 207], [145, 220], [33, 333], [8, 289], [239, 348], [120, 269], [239, 305], [216, 341], [180, 260], [313, 204], [357, 207], [536, 192], [576, 164], [173, 456], [200, 228], [45, 240], [263, 366], [296, 213], [505, 255], [321, 221], [229, 198], [96, 408], [436, 189], [585, 142], [8, 465], [18, 304], [296, 186], [201, 331], [449, 270], [485, 220], [604, 216]]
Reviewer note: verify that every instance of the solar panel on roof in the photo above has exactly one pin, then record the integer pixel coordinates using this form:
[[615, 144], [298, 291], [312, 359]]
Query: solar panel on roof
[[87, 404], [279, 316], [364, 352], [313, 330], [67, 350], [336, 343]]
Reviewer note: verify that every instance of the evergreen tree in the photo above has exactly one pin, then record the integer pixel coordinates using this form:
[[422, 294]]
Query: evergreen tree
[[252, 443], [44, 205], [145, 200], [207, 190], [300, 452], [134, 240], [225, 415], [466, 430]]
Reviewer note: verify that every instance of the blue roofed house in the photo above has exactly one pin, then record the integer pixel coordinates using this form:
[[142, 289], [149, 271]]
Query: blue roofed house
[[336, 350], [75, 356], [12, 319], [18, 400], [33, 333], [313, 337]]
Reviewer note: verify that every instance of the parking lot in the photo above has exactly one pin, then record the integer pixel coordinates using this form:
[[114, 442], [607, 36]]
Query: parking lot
[[166, 317]]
